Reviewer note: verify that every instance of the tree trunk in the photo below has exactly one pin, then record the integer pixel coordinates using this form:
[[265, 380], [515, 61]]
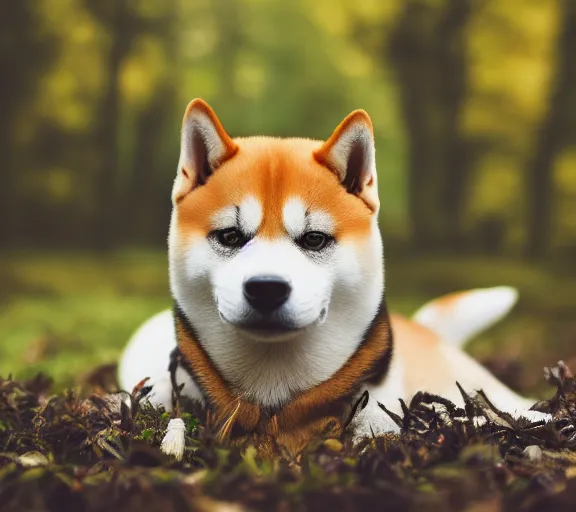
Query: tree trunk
[[149, 211], [410, 55], [106, 221], [452, 55], [24, 55], [428, 54], [6, 187], [552, 137]]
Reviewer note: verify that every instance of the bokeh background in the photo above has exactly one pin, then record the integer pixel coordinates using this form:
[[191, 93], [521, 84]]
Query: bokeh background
[[474, 108]]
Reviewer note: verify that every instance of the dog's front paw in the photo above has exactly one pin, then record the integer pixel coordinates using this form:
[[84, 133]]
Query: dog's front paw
[[371, 421]]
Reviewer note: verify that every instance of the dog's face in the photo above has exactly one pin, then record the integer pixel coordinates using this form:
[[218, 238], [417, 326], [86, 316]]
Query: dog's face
[[271, 235]]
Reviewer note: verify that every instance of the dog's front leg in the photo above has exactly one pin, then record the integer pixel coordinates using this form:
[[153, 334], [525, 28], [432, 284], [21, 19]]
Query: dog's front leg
[[370, 420]]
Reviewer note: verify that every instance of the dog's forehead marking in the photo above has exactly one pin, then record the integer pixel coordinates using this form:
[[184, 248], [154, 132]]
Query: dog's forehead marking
[[247, 216], [319, 220], [294, 216], [250, 215], [224, 218], [298, 219]]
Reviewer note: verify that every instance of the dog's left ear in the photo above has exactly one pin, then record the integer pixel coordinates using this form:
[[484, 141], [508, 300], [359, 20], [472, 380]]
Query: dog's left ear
[[349, 153], [205, 146]]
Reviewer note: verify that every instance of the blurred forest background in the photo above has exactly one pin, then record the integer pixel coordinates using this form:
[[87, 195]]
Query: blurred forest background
[[474, 108]]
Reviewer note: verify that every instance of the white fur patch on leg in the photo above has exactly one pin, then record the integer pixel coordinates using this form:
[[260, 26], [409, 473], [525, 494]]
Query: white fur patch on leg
[[147, 355], [372, 421]]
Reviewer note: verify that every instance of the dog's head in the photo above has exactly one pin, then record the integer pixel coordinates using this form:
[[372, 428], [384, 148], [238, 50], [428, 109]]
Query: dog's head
[[273, 236]]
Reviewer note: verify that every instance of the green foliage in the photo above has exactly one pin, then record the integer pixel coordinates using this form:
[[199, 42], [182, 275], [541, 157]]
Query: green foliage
[[97, 92]]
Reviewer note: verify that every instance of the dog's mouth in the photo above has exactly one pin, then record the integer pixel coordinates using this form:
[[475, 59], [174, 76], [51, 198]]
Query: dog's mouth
[[269, 332], [272, 330]]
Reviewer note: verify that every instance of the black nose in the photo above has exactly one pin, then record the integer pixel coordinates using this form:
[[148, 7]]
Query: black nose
[[266, 293]]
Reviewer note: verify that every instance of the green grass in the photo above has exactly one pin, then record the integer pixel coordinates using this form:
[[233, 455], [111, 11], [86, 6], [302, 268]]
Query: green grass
[[65, 336], [67, 313]]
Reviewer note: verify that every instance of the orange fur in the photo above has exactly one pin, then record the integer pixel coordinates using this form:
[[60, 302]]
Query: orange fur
[[274, 170], [322, 153], [187, 177], [419, 348], [199, 104]]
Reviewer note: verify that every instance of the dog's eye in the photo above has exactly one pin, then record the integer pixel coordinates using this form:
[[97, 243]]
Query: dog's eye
[[314, 240], [231, 237]]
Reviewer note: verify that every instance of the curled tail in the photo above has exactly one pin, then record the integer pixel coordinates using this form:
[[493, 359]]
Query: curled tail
[[458, 317]]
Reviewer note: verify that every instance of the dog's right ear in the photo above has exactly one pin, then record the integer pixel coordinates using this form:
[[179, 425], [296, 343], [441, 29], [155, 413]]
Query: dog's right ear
[[349, 153], [205, 146]]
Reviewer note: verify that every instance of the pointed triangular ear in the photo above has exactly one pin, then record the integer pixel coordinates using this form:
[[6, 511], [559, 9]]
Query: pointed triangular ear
[[349, 153], [204, 147]]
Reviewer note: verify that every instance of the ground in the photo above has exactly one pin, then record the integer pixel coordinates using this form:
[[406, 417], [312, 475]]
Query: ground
[[68, 315], [67, 453]]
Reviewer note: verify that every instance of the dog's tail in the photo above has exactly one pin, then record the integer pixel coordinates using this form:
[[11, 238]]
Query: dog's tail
[[458, 317]]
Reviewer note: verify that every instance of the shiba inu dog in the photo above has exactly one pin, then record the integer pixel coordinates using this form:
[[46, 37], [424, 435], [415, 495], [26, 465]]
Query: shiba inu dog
[[276, 270]]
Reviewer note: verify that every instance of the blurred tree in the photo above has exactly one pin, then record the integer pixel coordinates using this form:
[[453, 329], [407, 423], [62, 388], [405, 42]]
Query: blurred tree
[[152, 155], [24, 54], [553, 135], [147, 213], [126, 22], [89, 156], [428, 53], [120, 24]]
